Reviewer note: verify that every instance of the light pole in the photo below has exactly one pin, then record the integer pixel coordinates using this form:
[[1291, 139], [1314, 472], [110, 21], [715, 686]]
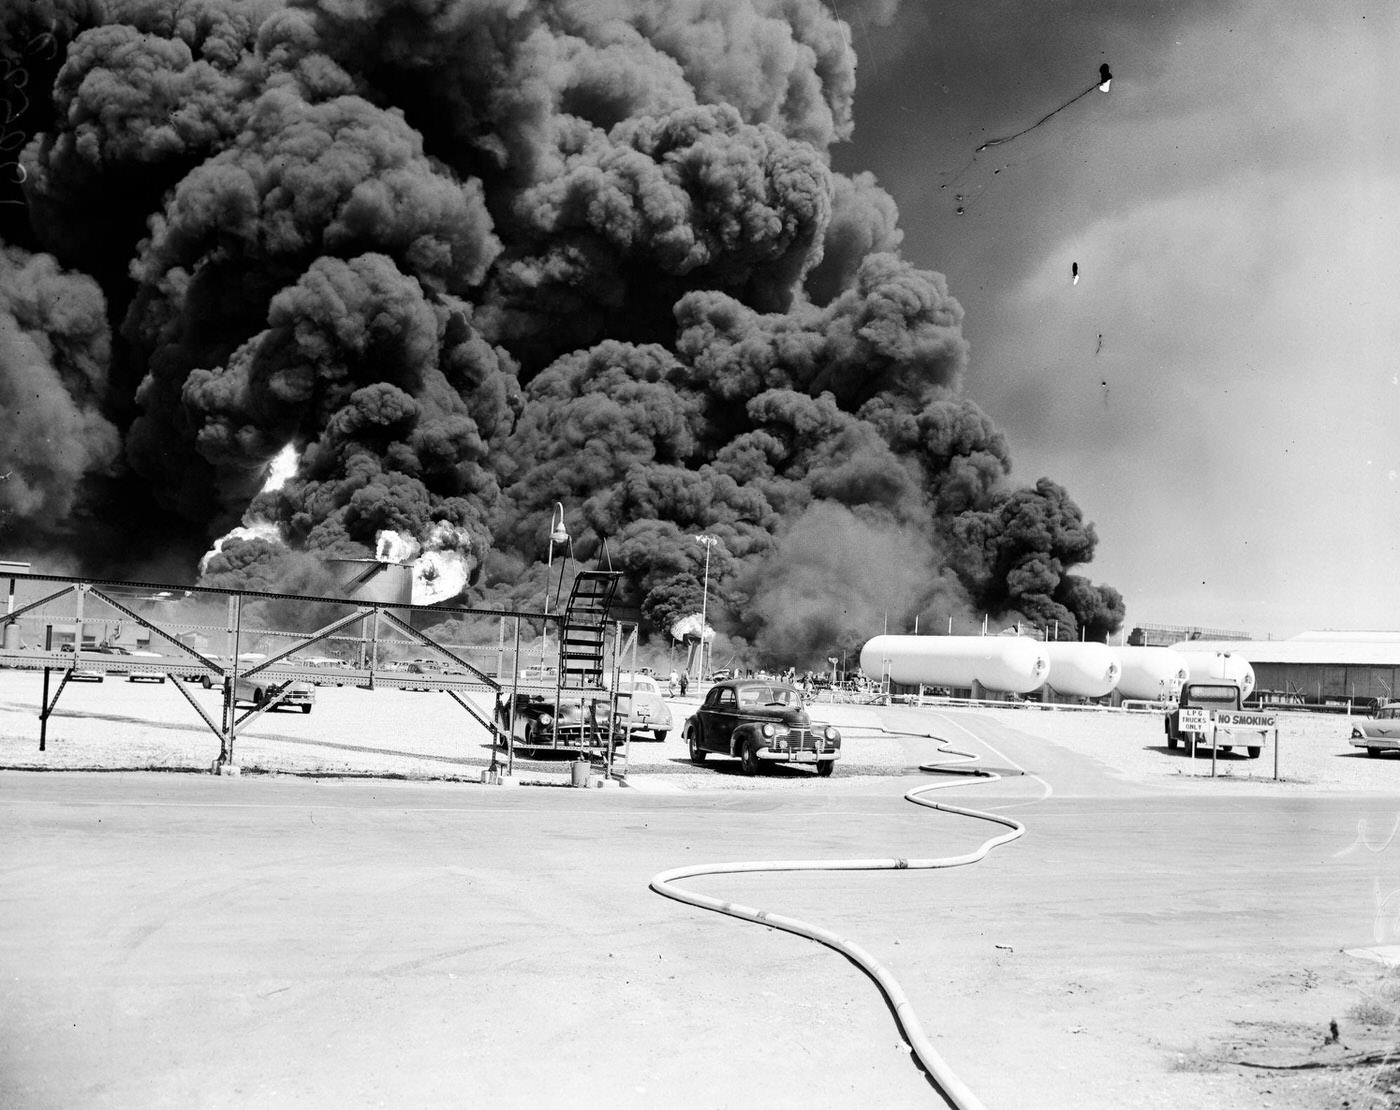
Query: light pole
[[557, 534], [709, 541]]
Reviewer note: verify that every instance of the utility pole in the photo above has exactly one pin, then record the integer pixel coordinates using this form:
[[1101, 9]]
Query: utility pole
[[709, 541]]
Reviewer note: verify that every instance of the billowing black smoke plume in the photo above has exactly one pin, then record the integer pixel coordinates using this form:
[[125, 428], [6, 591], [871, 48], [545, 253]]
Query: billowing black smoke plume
[[475, 260]]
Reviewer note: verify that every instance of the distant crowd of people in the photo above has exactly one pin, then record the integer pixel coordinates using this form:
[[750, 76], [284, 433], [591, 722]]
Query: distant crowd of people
[[810, 682]]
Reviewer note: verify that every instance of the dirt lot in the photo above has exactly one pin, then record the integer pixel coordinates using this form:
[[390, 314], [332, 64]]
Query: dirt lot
[[118, 724], [1095, 1007]]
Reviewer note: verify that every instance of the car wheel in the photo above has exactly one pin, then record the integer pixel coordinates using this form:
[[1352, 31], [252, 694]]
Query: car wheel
[[206, 682], [825, 767], [1171, 741], [1227, 749], [1373, 752], [697, 753], [306, 709], [1254, 752], [748, 758], [259, 696], [660, 734]]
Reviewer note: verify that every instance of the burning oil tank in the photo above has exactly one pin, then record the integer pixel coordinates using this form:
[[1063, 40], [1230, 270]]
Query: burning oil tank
[[1082, 670], [1223, 665], [1004, 664], [1150, 673], [374, 580]]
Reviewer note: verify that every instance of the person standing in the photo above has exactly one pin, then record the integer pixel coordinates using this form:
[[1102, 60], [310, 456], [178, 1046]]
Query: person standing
[[684, 683]]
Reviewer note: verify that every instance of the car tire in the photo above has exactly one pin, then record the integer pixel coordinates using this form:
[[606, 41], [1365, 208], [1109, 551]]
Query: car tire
[[1255, 752], [825, 767], [1171, 741], [697, 753], [206, 682], [259, 697], [1228, 748], [748, 758], [306, 709], [660, 735], [1374, 753]]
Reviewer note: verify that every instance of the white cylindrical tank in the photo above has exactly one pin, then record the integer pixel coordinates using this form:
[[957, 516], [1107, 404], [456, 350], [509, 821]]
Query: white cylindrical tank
[[1150, 673], [1005, 664], [1206, 665], [1082, 670]]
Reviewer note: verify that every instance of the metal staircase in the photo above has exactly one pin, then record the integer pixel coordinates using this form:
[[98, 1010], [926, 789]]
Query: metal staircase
[[583, 632]]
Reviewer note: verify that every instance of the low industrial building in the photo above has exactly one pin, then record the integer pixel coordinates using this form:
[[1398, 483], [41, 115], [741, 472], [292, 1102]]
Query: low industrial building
[[1323, 670]]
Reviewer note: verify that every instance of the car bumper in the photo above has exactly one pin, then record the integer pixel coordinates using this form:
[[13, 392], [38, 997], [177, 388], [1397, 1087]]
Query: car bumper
[[798, 756], [1387, 744]]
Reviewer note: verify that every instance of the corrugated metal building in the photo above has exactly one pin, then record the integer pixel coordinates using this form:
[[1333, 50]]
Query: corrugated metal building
[[1318, 668]]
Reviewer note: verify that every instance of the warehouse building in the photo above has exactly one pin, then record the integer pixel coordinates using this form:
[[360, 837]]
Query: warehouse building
[[1323, 670]]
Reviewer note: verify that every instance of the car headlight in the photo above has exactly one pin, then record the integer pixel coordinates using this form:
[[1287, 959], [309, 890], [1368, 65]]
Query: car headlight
[[830, 733], [546, 719], [769, 731], [1357, 734]]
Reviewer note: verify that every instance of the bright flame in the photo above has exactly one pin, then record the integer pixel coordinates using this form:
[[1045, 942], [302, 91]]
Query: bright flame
[[284, 466], [690, 628], [442, 563], [394, 547]]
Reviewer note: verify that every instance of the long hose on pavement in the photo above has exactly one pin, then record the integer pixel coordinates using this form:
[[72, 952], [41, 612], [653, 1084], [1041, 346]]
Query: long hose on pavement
[[954, 1090]]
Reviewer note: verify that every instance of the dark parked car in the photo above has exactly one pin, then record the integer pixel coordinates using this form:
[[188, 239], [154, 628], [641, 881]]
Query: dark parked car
[[760, 721], [533, 725]]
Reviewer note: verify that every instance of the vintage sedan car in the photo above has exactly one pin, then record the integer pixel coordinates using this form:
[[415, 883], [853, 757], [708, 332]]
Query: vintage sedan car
[[1378, 733], [639, 697], [760, 721], [141, 671], [260, 691], [113, 667], [532, 723]]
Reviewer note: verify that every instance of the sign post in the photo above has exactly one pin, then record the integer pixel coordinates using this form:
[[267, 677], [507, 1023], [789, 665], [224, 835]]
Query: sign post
[[1193, 721]]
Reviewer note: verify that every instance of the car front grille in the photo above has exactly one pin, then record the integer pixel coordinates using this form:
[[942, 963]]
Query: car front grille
[[803, 740]]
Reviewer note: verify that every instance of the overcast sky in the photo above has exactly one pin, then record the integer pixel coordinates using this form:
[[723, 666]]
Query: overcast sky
[[1220, 392]]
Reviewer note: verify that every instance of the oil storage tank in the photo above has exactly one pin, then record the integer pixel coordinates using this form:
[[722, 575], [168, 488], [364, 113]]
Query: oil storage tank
[[1150, 673], [1004, 664], [1082, 670], [374, 580]]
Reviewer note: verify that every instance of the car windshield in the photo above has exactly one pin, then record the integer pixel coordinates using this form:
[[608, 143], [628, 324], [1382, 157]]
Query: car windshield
[[768, 695]]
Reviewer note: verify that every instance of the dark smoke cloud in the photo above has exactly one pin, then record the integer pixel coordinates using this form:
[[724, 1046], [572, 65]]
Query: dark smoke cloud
[[54, 350], [471, 261]]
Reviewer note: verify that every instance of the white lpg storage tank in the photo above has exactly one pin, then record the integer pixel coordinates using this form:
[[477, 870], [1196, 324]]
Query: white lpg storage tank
[[1150, 673], [1005, 664], [1082, 670], [1223, 665]]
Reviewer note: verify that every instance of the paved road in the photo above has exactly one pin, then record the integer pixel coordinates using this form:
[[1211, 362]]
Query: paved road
[[174, 940]]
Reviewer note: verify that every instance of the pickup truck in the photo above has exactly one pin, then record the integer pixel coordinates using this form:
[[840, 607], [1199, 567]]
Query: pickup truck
[[1215, 697]]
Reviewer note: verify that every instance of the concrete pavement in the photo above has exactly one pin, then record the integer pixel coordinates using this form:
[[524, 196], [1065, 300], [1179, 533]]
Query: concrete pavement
[[174, 940]]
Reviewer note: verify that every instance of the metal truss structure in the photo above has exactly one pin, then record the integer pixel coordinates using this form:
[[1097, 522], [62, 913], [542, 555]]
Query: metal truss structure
[[257, 645]]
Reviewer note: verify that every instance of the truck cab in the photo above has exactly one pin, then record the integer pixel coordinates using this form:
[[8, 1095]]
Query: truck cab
[[1216, 696]]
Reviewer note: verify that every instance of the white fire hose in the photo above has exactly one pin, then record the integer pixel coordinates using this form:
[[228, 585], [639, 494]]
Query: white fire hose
[[957, 1093]]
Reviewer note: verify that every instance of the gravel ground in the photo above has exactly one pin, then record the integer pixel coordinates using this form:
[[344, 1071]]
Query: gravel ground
[[121, 725]]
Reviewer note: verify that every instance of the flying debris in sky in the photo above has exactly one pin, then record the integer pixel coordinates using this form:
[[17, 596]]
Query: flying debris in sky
[[1099, 345], [966, 195], [1074, 272], [1101, 84]]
